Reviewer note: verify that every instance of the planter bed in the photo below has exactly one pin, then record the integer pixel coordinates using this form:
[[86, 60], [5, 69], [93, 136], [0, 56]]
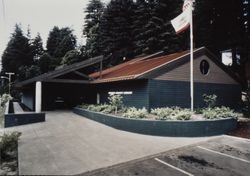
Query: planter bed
[[177, 128]]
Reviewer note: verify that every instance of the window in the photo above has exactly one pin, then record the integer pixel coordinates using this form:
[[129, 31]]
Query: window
[[204, 67]]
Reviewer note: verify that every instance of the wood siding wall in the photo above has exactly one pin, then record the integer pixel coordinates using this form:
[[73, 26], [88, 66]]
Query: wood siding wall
[[177, 93], [182, 73], [139, 98]]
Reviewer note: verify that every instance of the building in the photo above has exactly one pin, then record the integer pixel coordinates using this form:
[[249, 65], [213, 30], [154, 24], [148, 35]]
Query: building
[[152, 81]]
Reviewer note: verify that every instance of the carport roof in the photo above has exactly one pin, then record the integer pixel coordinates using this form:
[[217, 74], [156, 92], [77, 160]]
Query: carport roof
[[50, 77]]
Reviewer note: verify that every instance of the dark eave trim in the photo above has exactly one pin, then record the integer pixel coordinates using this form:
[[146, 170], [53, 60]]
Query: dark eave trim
[[67, 81], [83, 75]]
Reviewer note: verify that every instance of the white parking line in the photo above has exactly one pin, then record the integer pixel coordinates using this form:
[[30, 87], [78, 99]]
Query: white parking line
[[223, 154], [176, 168]]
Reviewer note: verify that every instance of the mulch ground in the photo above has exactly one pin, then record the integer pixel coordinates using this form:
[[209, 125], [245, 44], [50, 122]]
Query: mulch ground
[[243, 128]]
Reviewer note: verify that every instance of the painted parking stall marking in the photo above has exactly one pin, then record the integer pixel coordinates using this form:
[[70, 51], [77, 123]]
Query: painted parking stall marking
[[223, 154], [176, 168]]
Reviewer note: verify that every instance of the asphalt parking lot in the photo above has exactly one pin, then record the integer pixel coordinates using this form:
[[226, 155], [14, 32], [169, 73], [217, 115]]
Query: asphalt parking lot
[[224, 155]]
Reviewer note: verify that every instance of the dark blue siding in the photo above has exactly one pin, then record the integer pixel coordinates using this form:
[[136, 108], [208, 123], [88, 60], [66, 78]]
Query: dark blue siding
[[176, 93], [138, 99]]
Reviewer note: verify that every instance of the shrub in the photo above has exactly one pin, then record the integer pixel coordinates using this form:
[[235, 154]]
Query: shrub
[[108, 109], [219, 112], [136, 113], [104, 108], [198, 111], [115, 105], [210, 100], [8, 144], [162, 113], [209, 114], [4, 99], [116, 101], [174, 113], [183, 115], [94, 108]]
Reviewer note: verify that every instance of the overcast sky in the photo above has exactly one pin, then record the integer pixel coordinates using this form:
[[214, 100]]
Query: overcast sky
[[41, 16]]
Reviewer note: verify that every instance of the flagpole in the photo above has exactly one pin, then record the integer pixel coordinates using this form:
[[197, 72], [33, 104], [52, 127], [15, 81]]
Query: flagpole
[[191, 60]]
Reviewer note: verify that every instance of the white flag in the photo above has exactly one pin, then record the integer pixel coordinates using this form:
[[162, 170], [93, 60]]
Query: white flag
[[181, 22]]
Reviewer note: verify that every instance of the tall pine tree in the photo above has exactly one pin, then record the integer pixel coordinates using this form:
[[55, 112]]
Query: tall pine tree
[[93, 12], [59, 42], [17, 53], [218, 24], [153, 29], [116, 29], [141, 16], [37, 47]]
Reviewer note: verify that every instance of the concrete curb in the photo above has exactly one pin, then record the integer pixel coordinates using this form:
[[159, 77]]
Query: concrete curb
[[163, 128]]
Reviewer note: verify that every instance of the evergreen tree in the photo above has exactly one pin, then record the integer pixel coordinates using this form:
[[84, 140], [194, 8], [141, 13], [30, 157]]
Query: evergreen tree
[[170, 42], [71, 57], [141, 17], [218, 25], [221, 21], [153, 29], [116, 29], [45, 63], [17, 53], [93, 12], [27, 72], [53, 40], [60, 41], [37, 47]]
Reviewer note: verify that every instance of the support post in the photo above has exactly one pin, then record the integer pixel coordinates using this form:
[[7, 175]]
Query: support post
[[38, 96]]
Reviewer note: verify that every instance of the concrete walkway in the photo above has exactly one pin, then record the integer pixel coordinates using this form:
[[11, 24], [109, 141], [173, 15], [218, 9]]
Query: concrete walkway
[[70, 144]]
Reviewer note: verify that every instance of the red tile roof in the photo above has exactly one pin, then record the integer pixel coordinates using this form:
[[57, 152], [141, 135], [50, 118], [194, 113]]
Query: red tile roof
[[134, 68]]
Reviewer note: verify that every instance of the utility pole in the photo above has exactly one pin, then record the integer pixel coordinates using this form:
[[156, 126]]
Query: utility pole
[[8, 78], [10, 74]]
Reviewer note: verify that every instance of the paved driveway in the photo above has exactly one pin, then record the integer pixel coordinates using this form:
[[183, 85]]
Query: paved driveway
[[70, 144]]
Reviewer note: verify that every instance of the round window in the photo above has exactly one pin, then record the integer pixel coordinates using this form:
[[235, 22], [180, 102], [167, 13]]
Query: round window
[[204, 67]]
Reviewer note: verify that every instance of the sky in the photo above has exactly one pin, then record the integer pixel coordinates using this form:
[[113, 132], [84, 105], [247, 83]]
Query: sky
[[41, 16]]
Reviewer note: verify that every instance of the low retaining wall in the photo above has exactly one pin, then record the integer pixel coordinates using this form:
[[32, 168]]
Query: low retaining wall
[[163, 128], [22, 119], [15, 119]]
